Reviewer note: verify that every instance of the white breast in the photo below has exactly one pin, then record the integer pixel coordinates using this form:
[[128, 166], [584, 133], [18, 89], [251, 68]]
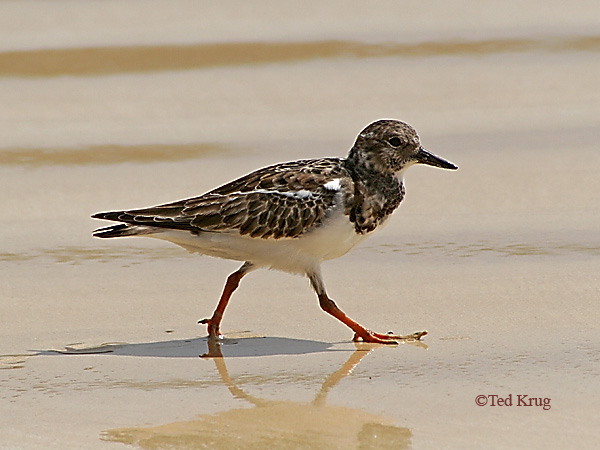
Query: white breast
[[334, 238]]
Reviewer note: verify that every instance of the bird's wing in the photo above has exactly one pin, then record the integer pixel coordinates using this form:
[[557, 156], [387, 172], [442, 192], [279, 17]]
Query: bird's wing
[[280, 201]]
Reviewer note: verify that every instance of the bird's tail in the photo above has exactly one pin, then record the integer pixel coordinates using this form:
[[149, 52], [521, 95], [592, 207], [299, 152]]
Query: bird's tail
[[120, 229]]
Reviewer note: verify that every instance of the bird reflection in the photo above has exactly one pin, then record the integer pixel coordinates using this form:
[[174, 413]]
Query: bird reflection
[[274, 424]]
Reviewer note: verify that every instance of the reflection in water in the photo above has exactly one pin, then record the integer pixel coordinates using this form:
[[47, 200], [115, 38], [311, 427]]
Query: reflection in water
[[274, 424]]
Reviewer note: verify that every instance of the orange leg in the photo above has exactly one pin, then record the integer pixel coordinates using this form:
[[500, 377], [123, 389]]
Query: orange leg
[[360, 332], [233, 281]]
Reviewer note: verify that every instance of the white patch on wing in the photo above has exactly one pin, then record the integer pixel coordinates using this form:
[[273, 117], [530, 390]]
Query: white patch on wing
[[333, 185]]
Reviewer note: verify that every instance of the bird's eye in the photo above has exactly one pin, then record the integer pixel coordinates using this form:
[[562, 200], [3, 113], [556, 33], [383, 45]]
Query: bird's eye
[[395, 142]]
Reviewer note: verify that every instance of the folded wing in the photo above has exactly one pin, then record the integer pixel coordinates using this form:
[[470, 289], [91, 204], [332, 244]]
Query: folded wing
[[282, 201]]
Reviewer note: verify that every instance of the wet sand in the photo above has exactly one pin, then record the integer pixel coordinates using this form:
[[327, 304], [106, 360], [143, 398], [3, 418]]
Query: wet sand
[[499, 261]]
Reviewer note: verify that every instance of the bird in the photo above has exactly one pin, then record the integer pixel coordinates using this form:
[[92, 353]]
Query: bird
[[291, 216]]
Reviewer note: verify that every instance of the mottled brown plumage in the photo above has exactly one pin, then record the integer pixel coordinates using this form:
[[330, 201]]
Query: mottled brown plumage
[[280, 201], [291, 216]]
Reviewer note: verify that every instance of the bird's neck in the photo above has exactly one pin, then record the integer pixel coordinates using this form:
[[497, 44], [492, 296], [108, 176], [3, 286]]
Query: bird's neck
[[366, 174], [365, 163], [376, 196]]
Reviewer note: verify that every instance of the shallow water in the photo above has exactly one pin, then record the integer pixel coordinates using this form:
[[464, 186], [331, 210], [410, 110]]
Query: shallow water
[[115, 105]]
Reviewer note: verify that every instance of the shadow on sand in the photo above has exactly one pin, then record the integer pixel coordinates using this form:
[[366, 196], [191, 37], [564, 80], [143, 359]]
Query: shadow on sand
[[202, 347], [229, 347]]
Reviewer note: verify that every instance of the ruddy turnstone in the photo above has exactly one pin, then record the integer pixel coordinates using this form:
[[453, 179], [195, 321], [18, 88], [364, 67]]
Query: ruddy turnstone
[[291, 216]]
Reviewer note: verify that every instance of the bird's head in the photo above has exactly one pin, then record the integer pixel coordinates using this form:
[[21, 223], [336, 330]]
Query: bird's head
[[390, 146]]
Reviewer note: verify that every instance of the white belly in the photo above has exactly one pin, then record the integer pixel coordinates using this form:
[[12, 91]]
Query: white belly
[[332, 239]]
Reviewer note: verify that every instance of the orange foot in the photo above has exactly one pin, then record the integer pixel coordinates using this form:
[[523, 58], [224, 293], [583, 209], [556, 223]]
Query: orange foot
[[389, 338], [213, 328]]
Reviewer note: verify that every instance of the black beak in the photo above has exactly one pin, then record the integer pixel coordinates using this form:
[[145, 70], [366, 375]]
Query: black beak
[[424, 157]]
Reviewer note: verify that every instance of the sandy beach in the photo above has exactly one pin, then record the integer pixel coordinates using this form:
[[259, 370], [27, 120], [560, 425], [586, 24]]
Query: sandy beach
[[115, 105]]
